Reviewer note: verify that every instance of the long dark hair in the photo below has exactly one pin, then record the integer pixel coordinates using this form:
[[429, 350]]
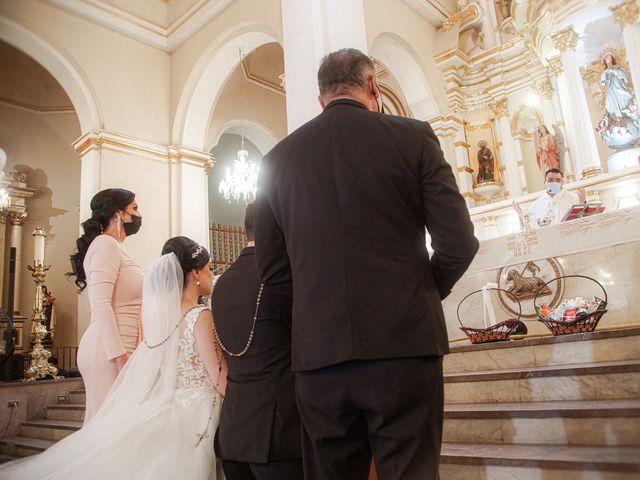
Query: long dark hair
[[190, 254], [104, 206]]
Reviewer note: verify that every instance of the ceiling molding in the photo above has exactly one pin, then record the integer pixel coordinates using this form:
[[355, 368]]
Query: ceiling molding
[[253, 79], [36, 108], [166, 38], [434, 11]]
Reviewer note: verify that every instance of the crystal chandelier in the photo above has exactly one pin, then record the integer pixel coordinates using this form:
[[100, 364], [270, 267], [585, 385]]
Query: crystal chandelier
[[239, 182]]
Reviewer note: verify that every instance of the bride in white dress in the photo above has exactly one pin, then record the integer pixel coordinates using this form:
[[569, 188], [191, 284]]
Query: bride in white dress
[[160, 416]]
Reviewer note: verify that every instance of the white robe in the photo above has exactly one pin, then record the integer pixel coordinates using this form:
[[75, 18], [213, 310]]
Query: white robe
[[549, 210]]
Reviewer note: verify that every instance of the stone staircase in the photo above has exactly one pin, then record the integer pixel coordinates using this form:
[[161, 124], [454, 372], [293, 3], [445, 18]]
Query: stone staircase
[[37, 435], [565, 408], [551, 408]]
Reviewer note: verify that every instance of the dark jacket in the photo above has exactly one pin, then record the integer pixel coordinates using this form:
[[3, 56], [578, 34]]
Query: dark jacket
[[341, 211], [259, 420]]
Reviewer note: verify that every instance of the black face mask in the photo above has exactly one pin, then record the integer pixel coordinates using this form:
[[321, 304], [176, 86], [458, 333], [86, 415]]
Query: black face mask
[[132, 227]]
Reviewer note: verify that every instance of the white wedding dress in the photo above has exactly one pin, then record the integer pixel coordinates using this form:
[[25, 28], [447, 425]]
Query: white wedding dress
[[159, 418]]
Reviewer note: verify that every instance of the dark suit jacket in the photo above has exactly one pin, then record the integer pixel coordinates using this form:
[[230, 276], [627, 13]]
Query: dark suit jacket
[[341, 211], [259, 420]]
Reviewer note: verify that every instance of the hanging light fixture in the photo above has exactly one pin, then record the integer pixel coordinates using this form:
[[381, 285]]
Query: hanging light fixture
[[239, 182]]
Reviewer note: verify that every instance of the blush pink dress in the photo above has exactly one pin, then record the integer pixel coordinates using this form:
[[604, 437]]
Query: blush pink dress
[[114, 285]]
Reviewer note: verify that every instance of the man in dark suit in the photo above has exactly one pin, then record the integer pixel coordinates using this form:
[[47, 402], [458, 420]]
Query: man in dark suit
[[341, 212], [259, 433]]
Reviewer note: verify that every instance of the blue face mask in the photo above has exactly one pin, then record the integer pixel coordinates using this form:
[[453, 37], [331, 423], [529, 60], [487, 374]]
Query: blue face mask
[[553, 188]]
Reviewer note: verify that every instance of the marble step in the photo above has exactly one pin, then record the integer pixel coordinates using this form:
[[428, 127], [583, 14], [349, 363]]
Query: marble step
[[599, 423], [77, 396], [50, 429], [599, 346], [594, 381], [66, 411], [461, 461], [23, 446]]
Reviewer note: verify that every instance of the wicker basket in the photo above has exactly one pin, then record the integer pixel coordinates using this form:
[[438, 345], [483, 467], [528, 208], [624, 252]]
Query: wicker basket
[[583, 322], [495, 333]]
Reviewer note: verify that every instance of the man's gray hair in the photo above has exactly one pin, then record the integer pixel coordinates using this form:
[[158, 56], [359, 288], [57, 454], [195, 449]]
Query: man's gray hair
[[343, 70]]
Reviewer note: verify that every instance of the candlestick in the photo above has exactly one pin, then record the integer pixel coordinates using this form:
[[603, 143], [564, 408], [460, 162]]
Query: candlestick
[[39, 366], [38, 245]]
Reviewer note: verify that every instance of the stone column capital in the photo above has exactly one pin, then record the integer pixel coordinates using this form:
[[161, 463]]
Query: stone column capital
[[565, 39], [555, 66], [3, 220], [17, 218], [500, 108], [626, 13]]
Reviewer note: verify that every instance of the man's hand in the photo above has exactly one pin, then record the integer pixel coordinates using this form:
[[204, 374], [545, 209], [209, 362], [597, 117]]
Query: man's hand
[[582, 195]]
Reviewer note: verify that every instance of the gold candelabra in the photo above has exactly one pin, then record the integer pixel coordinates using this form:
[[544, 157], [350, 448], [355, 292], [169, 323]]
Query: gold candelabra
[[39, 366]]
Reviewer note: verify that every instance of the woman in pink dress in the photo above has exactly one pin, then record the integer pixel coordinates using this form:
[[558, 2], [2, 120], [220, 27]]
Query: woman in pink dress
[[114, 284]]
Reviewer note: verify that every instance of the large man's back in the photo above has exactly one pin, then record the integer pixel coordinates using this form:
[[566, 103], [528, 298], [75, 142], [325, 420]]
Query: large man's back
[[350, 193]]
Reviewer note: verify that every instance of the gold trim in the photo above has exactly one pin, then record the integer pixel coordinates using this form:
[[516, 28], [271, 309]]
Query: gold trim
[[591, 172], [465, 170], [520, 163], [565, 39], [462, 144], [625, 14]]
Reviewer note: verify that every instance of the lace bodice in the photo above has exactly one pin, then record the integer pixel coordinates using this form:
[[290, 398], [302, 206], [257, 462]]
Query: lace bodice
[[192, 376]]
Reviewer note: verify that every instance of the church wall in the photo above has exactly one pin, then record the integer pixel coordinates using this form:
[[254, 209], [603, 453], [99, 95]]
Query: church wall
[[385, 16], [39, 145], [129, 79], [239, 15], [241, 100]]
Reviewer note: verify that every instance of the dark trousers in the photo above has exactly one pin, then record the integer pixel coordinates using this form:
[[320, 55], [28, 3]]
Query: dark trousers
[[283, 470], [389, 409]]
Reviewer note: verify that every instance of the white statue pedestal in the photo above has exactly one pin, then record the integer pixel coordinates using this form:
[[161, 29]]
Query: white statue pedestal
[[623, 159], [488, 190]]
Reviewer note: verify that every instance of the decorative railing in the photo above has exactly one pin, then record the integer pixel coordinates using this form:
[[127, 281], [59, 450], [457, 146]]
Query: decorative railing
[[67, 357], [227, 241]]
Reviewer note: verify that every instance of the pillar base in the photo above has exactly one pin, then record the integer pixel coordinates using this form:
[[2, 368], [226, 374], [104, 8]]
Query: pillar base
[[488, 190], [624, 159]]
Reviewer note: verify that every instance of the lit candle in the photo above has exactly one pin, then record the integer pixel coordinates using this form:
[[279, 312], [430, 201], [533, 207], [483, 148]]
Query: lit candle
[[38, 245]]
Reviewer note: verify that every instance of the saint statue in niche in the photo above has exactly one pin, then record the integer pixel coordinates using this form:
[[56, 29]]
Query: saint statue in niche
[[620, 126], [546, 149], [486, 163]]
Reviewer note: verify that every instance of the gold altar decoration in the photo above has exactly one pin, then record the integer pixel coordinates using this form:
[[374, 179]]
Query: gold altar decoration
[[525, 279], [544, 89], [227, 241], [39, 366], [565, 39], [625, 14], [555, 65], [499, 108], [466, 14]]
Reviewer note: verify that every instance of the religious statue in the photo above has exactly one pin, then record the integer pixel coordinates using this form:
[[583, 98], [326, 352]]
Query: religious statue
[[546, 149], [486, 164], [620, 125]]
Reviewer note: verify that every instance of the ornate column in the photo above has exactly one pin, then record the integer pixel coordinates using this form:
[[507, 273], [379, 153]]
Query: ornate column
[[307, 37], [16, 220], [513, 172], [626, 16], [450, 132], [574, 105]]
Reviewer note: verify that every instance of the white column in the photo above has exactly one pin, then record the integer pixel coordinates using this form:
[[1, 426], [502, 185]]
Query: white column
[[311, 29], [626, 16], [17, 219], [508, 153], [520, 163], [575, 105]]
